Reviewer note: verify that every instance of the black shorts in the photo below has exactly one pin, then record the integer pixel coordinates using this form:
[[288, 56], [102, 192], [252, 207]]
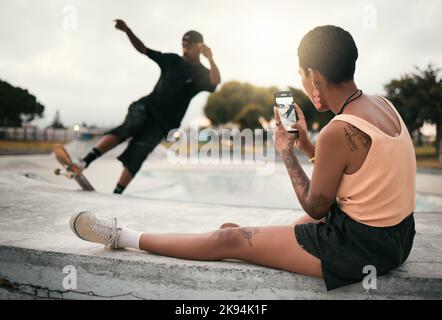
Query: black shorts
[[346, 246], [146, 133]]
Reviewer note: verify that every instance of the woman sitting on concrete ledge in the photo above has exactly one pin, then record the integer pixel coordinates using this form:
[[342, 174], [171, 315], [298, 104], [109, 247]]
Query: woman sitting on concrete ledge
[[359, 203]]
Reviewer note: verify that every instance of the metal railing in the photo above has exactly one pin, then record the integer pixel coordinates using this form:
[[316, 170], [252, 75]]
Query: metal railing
[[38, 134]]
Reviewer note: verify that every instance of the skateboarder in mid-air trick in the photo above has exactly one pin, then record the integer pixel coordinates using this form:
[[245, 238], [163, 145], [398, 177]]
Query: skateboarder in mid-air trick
[[150, 118]]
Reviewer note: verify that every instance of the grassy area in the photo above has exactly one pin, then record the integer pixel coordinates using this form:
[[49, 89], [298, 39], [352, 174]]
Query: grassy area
[[426, 158], [425, 152], [26, 147]]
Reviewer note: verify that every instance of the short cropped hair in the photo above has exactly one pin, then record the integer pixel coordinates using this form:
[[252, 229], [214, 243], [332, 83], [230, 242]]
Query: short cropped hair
[[331, 50]]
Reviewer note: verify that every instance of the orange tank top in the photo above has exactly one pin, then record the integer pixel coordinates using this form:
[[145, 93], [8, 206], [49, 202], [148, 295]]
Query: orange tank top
[[382, 192]]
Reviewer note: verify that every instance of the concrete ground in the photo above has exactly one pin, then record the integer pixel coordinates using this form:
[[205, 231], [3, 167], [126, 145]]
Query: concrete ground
[[36, 243]]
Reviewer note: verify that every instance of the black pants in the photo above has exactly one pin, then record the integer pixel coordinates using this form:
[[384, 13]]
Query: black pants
[[346, 246], [146, 133]]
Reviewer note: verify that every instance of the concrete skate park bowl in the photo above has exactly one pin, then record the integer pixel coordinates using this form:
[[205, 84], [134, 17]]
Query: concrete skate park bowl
[[38, 252]]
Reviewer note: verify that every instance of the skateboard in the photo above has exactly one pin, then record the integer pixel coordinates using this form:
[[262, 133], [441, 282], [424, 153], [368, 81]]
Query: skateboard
[[70, 170]]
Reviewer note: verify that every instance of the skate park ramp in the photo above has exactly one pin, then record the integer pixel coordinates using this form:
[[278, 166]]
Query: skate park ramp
[[37, 246]]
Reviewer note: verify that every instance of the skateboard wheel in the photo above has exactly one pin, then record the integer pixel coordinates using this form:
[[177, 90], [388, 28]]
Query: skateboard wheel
[[70, 175], [57, 172]]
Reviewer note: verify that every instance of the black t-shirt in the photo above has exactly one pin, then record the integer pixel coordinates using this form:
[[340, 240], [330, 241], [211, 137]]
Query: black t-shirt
[[179, 82]]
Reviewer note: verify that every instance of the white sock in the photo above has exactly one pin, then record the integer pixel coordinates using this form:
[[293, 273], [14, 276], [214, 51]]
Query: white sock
[[129, 239]]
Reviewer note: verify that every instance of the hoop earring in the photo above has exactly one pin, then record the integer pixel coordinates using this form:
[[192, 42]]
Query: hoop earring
[[316, 98]]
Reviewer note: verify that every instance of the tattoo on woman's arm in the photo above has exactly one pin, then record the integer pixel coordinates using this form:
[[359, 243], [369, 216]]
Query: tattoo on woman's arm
[[301, 184], [321, 201], [300, 181], [352, 133]]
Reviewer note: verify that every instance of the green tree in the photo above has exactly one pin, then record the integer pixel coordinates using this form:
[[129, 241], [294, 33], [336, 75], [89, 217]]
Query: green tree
[[226, 104], [249, 117], [16, 105], [244, 103], [418, 98]]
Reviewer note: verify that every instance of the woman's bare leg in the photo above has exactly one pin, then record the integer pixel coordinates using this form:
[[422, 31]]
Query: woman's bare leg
[[270, 246], [305, 218]]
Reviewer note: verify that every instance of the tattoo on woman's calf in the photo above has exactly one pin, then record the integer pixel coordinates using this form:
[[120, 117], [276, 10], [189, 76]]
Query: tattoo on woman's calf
[[248, 233]]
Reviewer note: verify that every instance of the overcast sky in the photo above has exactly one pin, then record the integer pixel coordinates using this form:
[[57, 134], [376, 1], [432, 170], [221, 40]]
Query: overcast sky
[[68, 54]]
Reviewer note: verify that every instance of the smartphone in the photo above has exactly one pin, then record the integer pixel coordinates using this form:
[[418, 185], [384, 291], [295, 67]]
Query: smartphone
[[286, 105]]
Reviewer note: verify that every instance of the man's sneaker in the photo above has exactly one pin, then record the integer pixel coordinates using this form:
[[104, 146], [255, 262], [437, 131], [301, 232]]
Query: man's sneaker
[[80, 164], [87, 227]]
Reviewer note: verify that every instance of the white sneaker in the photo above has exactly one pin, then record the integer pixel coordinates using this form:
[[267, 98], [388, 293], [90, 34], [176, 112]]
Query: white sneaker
[[80, 164], [87, 227]]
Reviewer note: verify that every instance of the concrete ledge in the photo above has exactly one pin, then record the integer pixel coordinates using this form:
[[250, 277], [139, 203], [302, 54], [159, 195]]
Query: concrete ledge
[[38, 274], [36, 244]]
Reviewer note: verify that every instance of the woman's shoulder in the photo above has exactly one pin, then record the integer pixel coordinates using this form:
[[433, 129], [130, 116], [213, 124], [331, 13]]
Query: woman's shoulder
[[340, 134], [333, 128], [332, 133]]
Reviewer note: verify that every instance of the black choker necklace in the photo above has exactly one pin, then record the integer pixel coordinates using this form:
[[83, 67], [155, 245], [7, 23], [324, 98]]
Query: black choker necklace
[[350, 100]]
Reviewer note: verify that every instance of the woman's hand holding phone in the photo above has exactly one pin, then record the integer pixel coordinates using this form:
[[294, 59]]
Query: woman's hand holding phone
[[285, 141], [302, 142]]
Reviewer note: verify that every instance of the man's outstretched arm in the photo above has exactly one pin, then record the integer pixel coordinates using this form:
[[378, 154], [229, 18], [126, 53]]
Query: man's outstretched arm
[[154, 55], [121, 25]]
